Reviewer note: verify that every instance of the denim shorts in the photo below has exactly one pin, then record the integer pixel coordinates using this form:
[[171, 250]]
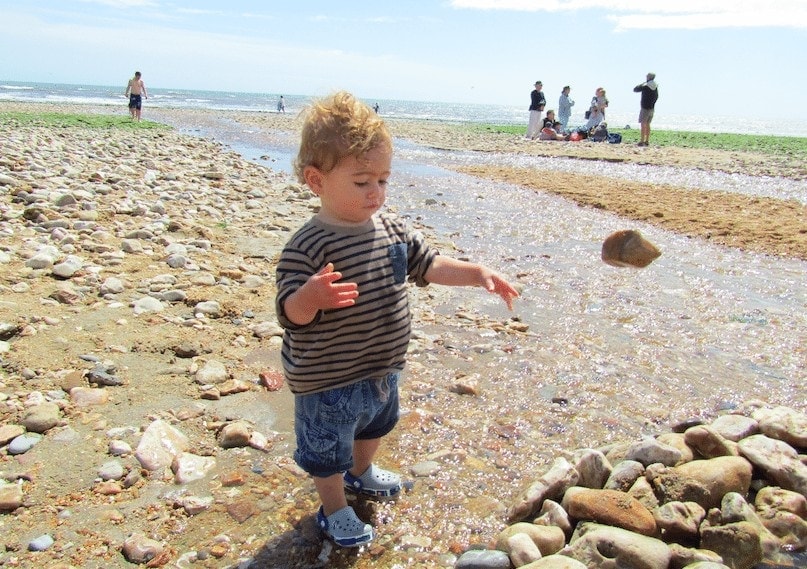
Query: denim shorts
[[326, 423]]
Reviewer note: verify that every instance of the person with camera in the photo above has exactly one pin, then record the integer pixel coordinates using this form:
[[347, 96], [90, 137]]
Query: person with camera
[[649, 91]]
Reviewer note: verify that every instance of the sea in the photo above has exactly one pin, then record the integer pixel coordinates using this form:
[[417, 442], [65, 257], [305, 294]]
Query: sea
[[419, 110]]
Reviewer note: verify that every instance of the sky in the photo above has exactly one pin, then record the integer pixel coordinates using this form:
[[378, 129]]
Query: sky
[[711, 57]]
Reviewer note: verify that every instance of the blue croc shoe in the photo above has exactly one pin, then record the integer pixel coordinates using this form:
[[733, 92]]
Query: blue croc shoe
[[374, 482], [345, 528]]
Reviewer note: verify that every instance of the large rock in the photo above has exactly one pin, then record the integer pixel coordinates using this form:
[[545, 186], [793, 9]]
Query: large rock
[[705, 481], [735, 427], [679, 521], [708, 443], [553, 514], [677, 440], [624, 475], [784, 514], [778, 460], [548, 539], [592, 466], [551, 486], [555, 562], [609, 507], [521, 549], [487, 558], [738, 543], [783, 423], [684, 557], [643, 492], [651, 451], [604, 547], [734, 509]]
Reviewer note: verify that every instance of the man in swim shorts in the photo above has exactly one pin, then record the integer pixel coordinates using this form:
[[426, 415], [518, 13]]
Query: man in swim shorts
[[136, 90]]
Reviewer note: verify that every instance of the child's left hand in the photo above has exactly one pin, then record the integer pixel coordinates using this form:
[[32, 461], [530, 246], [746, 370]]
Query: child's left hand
[[494, 282]]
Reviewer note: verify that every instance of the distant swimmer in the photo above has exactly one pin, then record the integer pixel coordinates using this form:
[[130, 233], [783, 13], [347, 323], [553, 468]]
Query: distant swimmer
[[136, 91]]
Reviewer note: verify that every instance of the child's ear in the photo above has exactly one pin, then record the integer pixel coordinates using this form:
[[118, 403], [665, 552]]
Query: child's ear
[[313, 178]]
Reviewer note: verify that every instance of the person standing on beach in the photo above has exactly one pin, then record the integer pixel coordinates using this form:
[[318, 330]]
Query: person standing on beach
[[565, 105], [537, 104], [342, 301], [136, 91], [649, 91], [281, 105]]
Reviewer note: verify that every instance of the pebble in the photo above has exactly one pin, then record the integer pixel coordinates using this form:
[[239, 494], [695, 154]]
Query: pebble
[[41, 543], [24, 443], [425, 469]]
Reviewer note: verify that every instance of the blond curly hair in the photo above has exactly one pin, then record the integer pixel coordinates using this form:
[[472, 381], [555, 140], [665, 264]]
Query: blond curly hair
[[336, 127]]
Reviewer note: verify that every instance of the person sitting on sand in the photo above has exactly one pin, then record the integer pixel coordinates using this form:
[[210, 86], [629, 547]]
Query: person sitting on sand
[[550, 119], [552, 128]]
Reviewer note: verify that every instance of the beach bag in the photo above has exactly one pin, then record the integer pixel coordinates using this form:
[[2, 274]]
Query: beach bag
[[614, 138]]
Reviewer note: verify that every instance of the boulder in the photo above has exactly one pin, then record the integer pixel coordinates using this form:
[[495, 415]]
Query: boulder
[[551, 486], [606, 547], [609, 507]]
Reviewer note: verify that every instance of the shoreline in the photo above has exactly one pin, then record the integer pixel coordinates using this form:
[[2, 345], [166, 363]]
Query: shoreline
[[456, 135], [189, 224]]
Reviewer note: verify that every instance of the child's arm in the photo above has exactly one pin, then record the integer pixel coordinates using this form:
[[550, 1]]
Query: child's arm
[[453, 272], [320, 292]]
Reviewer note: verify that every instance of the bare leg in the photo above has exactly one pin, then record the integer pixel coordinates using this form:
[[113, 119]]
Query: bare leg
[[331, 492], [363, 452], [331, 489]]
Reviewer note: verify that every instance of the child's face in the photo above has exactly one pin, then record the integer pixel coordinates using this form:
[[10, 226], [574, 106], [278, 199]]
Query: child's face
[[355, 189]]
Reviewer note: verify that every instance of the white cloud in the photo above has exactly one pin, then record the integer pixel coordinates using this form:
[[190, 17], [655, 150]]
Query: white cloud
[[684, 14]]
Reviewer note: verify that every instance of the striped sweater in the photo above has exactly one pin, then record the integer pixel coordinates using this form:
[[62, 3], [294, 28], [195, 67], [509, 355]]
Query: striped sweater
[[370, 338]]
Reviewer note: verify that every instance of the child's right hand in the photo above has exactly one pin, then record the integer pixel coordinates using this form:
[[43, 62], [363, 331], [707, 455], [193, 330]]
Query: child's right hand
[[323, 291], [320, 292]]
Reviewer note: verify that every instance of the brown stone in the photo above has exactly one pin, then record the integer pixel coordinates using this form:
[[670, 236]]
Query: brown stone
[[610, 507], [242, 510], [627, 248], [271, 380]]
